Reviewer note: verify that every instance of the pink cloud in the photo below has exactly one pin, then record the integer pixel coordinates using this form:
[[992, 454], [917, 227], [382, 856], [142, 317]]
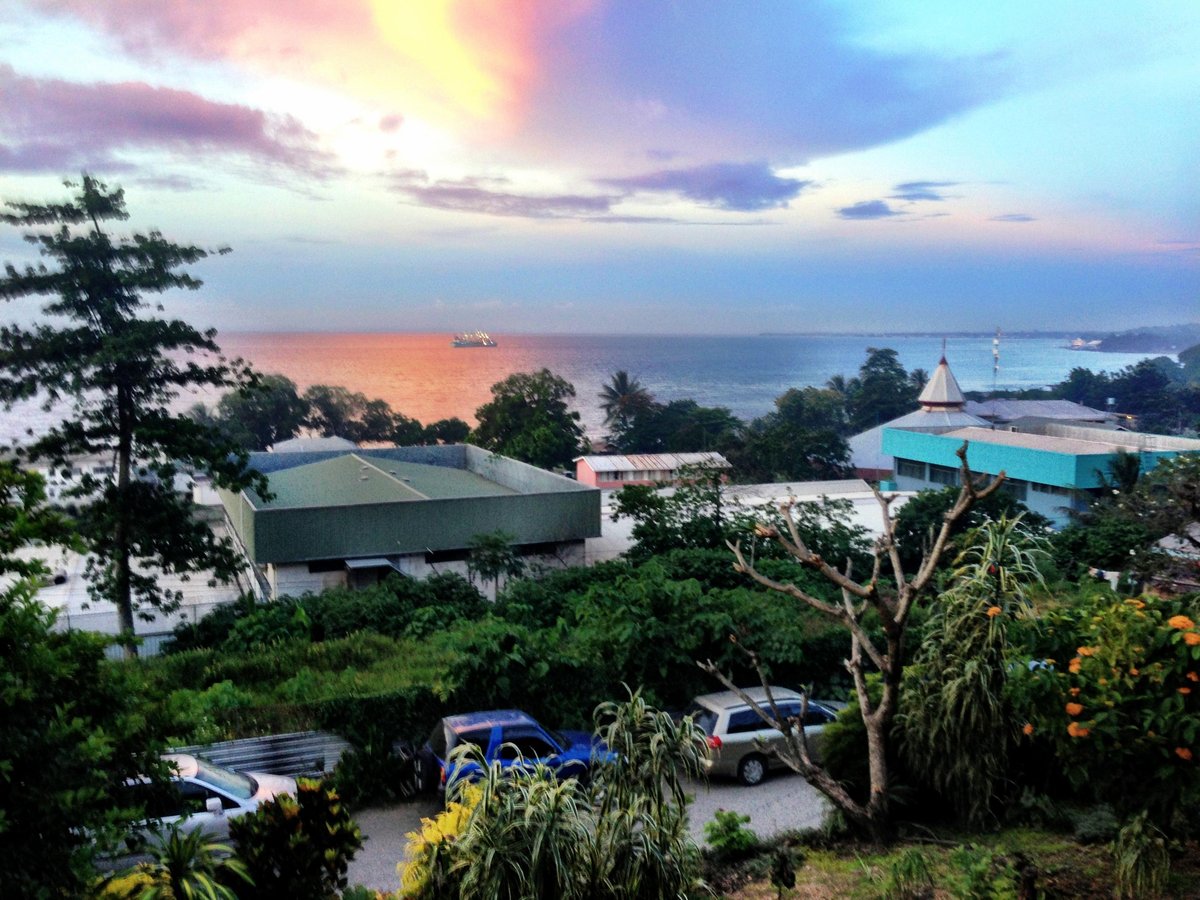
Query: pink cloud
[[52, 125], [340, 43]]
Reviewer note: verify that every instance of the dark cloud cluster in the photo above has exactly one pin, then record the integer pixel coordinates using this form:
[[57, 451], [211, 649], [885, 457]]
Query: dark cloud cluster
[[868, 209], [50, 125], [735, 187], [921, 190]]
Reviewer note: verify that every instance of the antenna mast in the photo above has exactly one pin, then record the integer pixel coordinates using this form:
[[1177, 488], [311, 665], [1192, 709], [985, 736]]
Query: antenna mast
[[995, 360]]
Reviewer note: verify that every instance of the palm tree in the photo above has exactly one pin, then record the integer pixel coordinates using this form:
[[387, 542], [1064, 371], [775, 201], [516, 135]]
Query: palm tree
[[622, 399], [189, 866]]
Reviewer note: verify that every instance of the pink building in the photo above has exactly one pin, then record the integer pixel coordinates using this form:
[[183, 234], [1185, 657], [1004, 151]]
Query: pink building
[[616, 471]]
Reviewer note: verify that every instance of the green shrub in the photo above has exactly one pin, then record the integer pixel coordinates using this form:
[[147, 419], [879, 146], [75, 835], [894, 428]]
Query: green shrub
[[976, 873], [728, 835], [1142, 861], [297, 848], [1118, 693], [372, 775], [1095, 825], [909, 876], [381, 719]]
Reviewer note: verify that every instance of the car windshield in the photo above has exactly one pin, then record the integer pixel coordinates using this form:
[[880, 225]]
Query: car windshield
[[233, 783]]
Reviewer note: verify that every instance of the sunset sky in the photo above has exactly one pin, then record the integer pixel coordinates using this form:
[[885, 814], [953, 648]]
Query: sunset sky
[[591, 166]]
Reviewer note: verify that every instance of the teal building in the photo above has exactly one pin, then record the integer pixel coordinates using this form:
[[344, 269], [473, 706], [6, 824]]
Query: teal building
[[1051, 467]]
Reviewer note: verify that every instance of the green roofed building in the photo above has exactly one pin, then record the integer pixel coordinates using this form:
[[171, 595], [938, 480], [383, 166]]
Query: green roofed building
[[350, 517]]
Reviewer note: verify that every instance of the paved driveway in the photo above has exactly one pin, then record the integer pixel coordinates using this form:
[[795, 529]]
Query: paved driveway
[[781, 803]]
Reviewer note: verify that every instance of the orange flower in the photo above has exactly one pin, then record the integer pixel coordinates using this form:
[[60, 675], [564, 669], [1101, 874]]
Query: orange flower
[[1192, 676], [994, 611], [1074, 709], [1086, 651], [1134, 672], [1074, 692], [1184, 690], [1076, 730], [1136, 604], [1028, 729], [1184, 753], [1181, 622], [1074, 666], [1191, 638]]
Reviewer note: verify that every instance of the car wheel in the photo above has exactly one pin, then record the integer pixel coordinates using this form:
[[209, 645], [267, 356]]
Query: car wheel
[[752, 770]]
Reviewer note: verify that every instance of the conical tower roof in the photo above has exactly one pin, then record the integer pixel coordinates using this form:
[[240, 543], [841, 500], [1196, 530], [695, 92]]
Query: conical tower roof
[[942, 390]]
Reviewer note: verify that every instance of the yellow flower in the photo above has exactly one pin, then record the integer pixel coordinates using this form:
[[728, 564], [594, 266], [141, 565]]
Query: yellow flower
[[1028, 729], [1086, 651], [1184, 753], [1191, 638], [994, 611], [1181, 622], [1076, 730], [1074, 709], [1136, 604]]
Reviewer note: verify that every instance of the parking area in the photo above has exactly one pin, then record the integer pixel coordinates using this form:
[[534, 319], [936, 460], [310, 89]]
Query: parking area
[[783, 802]]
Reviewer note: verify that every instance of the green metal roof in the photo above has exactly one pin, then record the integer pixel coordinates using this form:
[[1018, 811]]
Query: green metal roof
[[356, 479]]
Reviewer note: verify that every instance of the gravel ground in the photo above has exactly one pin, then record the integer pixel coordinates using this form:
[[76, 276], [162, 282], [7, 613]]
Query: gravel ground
[[781, 803]]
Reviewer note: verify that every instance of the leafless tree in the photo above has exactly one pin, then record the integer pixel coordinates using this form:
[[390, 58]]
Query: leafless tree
[[893, 600]]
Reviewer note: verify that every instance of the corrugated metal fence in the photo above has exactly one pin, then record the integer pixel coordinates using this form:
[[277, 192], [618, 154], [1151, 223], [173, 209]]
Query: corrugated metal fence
[[300, 753]]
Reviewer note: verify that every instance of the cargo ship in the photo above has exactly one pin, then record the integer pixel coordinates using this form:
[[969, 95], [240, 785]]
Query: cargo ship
[[472, 339]]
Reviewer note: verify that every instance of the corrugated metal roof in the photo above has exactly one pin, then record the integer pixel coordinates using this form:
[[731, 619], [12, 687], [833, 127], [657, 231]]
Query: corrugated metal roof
[[355, 479], [1074, 446], [1006, 410], [652, 462], [942, 389]]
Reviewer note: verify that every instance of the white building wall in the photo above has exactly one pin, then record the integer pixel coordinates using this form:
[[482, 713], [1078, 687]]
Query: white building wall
[[296, 580]]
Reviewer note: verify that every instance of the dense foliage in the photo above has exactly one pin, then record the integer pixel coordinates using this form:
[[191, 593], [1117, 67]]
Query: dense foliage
[[298, 848], [528, 418], [268, 409], [121, 369], [74, 726]]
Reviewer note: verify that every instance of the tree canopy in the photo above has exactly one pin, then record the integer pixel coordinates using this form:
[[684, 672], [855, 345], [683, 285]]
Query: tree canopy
[[121, 370], [528, 419]]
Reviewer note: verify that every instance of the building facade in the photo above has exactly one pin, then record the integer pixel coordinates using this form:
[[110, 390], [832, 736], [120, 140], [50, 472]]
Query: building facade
[[342, 518], [1053, 469], [614, 471]]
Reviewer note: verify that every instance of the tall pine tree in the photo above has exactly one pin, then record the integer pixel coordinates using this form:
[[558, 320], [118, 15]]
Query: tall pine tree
[[120, 369]]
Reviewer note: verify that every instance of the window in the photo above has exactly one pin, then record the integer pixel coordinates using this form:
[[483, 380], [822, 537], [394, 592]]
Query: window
[[1018, 490], [745, 721], [1052, 489], [943, 474], [910, 468], [528, 746]]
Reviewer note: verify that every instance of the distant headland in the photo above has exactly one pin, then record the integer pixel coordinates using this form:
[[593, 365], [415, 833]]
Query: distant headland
[[1145, 339]]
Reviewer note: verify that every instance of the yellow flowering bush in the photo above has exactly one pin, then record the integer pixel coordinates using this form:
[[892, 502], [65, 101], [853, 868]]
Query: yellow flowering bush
[[1126, 701], [429, 849]]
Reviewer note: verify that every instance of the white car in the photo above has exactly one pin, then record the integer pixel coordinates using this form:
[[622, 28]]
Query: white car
[[202, 796], [740, 743]]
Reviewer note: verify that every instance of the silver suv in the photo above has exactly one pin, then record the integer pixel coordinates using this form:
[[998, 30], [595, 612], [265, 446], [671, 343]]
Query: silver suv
[[739, 741]]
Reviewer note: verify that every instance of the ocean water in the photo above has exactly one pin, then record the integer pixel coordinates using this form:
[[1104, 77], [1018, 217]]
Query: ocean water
[[422, 376]]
